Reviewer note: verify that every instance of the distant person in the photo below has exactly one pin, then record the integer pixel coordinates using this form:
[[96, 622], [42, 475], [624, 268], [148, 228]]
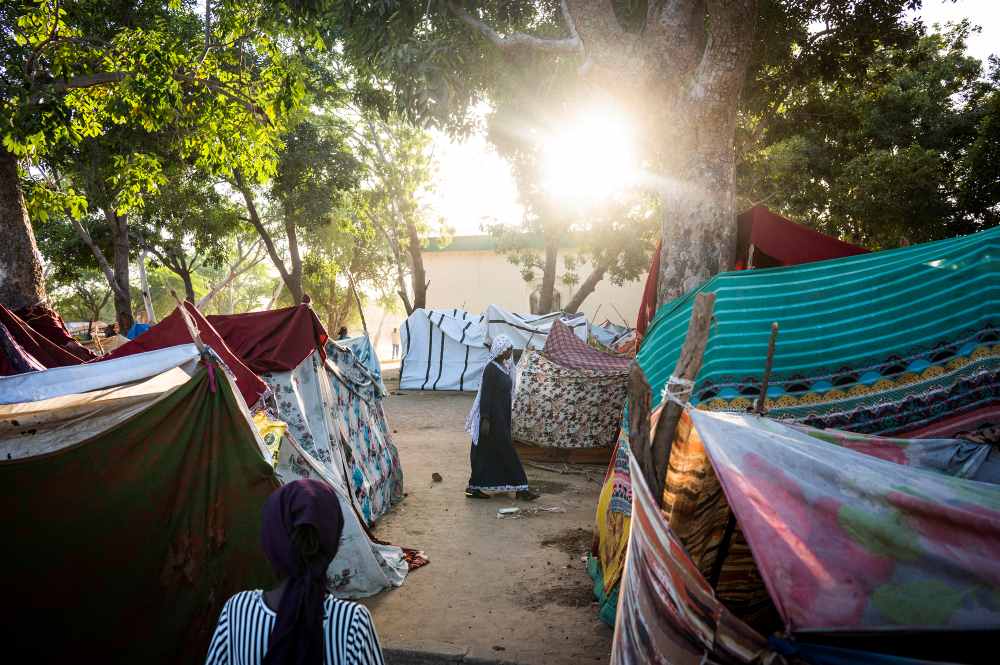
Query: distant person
[[495, 464], [395, 343], [296, 622], [342, 333]]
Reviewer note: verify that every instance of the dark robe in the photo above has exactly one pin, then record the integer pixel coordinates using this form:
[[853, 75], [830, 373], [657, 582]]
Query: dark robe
[[495, 464]]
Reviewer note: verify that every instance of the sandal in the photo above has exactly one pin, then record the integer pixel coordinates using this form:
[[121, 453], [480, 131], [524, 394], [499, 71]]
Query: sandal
[[476, 494], [527, 495]]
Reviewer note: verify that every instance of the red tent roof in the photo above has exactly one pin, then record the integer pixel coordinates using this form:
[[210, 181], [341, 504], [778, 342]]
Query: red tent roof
[[778, 241], [47, 323], [172, 331], [35, 344], [273, 341]]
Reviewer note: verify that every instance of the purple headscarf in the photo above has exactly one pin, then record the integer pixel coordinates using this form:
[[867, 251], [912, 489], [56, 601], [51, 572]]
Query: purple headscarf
[[297, 638]]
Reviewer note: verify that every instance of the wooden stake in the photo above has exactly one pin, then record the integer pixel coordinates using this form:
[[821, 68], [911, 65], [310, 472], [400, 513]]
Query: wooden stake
[[768, 364], [687, 368], [639, 401]]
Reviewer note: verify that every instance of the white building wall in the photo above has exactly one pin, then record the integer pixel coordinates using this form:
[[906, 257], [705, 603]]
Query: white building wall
[[473, 280]]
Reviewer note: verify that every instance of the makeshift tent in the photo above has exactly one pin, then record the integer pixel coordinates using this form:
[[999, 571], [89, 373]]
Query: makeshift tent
[[764, 240], [447, 349], [128, 540], [570, 395], [123, 453], [443, 349], [331, 407], [174, 330], [861, 542], [46, 322], [901, 342], [276, 340], [34, 344], [767, 240], [530, 331]]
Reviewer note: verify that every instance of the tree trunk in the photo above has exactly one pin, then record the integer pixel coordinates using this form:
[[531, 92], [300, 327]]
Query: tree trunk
[[123, 296], [418, 277], [699, 222], [188, 285], [21, 279], [293, 281], [586, 288], [546, 297], [147, 300]]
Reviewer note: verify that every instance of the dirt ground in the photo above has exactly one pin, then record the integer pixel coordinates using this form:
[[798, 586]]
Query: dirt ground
[[506, 589]]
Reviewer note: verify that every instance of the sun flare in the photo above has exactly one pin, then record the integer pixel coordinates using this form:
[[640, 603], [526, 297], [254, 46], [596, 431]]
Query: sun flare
[[591, 158]]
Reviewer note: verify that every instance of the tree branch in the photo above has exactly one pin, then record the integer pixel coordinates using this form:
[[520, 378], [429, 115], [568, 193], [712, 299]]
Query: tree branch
[[82, 81], [102, 261], [520, 40]]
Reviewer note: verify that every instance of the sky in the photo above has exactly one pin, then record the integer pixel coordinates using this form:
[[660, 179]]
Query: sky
[[474, 184]]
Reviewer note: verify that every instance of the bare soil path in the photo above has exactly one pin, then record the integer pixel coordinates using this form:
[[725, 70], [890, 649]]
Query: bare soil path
[[502, 589]]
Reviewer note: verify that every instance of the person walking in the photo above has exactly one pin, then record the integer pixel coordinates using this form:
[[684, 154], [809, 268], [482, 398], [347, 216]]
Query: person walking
[[395, 343], [297, 622], [495, 464]]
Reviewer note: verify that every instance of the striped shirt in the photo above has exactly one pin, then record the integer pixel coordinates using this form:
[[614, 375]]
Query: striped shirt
[[246, 622]]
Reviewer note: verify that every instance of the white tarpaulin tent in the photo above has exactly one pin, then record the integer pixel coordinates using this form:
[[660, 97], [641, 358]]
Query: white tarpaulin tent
[[443, 349], [446, 349], [530, 331]]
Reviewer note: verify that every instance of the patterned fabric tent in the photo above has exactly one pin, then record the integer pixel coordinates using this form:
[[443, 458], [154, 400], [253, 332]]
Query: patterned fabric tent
[[332, 407], [570, 395], [901, 342]]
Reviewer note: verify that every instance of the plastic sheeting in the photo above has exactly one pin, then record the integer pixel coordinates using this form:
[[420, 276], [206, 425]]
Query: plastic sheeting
[[443, 349], [60, 381], [848, 541]]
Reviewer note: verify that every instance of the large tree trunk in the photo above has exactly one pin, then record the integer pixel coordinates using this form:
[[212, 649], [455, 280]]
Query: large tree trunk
[[123, 295], [699, 223], [21, 279]]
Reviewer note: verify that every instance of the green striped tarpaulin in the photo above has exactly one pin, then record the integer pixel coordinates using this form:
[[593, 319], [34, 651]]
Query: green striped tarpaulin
[[901, 341]]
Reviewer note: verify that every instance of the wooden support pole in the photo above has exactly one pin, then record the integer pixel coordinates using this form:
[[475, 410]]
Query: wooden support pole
[[687, 368], [768, 364], [639, 401]]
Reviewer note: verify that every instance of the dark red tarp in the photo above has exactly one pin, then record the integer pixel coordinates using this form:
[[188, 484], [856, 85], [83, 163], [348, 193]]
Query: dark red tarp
[[781, 242], [34, 343], [172, 331], [647, 308], [13, 358], [47, 323], [273, 341]]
